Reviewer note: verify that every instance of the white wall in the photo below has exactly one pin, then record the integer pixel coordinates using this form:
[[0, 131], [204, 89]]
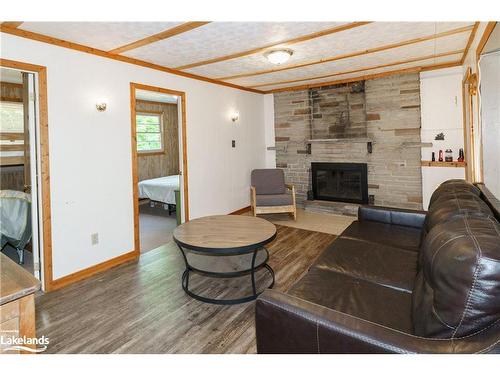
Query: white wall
[[489, 66], [90, 155], [441, 111]]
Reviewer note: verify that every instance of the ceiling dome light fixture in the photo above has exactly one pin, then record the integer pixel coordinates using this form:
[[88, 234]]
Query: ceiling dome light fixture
[[279, 56]]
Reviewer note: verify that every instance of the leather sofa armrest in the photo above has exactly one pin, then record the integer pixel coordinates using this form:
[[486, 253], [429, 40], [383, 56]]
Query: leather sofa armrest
[[390, 215], [289, 325]]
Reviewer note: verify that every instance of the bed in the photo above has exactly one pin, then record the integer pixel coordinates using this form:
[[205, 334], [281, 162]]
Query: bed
[[160, 189]]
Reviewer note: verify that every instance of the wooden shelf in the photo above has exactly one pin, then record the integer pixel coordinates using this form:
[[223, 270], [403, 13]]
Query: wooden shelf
[[448, 164]]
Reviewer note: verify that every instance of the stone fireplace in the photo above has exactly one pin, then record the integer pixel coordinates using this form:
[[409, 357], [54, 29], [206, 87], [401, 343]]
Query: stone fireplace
[[373, 122]]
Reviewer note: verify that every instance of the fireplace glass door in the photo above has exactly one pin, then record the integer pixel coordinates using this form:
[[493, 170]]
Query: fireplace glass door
[[343, 182]]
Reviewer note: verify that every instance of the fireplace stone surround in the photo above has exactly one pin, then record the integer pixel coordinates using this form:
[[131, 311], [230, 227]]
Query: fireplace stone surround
[[381, 118]]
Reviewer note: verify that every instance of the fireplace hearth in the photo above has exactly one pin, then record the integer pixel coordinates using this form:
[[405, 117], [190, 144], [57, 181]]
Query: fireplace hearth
[[340, 182]]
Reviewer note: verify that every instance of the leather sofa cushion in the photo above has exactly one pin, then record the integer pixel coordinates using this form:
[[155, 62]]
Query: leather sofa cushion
[[274, 199], [453, 207], [457, 291], [454, 186], [388, 234], [459, 194], [380, 264], [268, 181], [357, 297]]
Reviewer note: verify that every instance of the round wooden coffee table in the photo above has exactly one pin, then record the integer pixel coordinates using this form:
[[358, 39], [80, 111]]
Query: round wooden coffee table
[[225, 246]]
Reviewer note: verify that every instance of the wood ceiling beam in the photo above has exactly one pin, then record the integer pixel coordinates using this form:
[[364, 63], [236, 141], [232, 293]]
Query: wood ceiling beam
[[401, 62], [97, 52], [13, 24], [368, 76], [469, 42], [354, 54], [187, 26], [282, 43], [484, 39]]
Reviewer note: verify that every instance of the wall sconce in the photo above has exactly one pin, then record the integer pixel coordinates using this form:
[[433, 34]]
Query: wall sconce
[[472, 81], [235, 116], [101, 106]]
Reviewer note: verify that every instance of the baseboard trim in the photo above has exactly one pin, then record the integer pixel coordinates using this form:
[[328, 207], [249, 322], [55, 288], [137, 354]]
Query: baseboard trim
[[241, 211], [87, 272]]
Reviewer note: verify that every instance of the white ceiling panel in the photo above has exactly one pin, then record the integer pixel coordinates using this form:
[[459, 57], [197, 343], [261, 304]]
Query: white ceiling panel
[[431, 47], [357, 39], [442, 60], [222, 38], [218, 39], [101, 35]]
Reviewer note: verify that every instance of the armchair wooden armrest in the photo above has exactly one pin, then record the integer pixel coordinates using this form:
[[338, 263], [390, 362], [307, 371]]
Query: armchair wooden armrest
[[253, 200]]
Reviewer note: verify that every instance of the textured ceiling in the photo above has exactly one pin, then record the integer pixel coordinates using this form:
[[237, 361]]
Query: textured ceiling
[[155, 96], [10, 75], [348, 52]]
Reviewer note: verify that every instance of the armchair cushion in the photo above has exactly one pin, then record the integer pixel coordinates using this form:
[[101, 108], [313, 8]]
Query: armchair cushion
[[268, 181], [274, 199]]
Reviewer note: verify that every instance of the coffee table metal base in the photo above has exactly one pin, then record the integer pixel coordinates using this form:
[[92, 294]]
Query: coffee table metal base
[[251, 271]]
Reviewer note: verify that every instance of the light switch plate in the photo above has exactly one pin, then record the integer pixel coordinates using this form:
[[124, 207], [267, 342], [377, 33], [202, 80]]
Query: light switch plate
[[94, 238]]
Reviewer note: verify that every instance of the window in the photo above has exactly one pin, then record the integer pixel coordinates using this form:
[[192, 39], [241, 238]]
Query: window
[[12, 117], [149, 132]]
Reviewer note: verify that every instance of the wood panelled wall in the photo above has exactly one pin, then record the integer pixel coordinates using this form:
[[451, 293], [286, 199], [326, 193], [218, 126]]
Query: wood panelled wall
[[167, 163], [11, 92], [11, 177]]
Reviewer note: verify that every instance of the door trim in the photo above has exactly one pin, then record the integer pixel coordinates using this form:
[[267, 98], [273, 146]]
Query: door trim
[[45, 165], [135, 180]]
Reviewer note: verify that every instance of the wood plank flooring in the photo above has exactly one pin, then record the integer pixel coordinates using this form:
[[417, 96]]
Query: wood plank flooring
[[140, 307]]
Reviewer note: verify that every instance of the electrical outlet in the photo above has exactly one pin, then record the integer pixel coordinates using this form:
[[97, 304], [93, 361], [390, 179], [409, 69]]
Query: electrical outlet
[[94, 238]]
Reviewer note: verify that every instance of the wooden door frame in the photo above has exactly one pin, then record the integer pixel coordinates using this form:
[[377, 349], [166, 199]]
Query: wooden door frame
[[135, 179], [43, 133]]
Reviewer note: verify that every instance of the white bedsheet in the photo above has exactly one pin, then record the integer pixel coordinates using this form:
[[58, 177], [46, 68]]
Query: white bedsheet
[[160, 189]]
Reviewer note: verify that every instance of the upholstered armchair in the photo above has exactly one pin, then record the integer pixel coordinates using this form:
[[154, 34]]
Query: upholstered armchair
[[270, 194]]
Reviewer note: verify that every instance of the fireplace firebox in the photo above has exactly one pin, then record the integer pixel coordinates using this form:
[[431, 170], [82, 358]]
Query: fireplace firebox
[[340, 182]]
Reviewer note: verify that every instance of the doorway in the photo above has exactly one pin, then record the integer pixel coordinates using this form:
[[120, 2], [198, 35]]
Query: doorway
[[20, 202], [159, 164]]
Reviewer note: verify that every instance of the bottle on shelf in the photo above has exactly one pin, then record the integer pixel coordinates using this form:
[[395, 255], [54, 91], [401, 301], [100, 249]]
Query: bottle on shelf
[[440, 155], [448, 155], [461, 156], [433, 156]]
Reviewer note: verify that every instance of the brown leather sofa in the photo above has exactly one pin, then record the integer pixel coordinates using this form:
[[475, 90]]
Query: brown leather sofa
[[397, 281]]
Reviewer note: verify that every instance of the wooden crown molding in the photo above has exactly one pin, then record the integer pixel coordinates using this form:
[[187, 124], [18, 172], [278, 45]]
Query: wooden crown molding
[[185, 27], [428, 57], [353, 54], [282, 43], [484, 39], [13, 24], [368, 76], [93, 51], [469, 42]]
